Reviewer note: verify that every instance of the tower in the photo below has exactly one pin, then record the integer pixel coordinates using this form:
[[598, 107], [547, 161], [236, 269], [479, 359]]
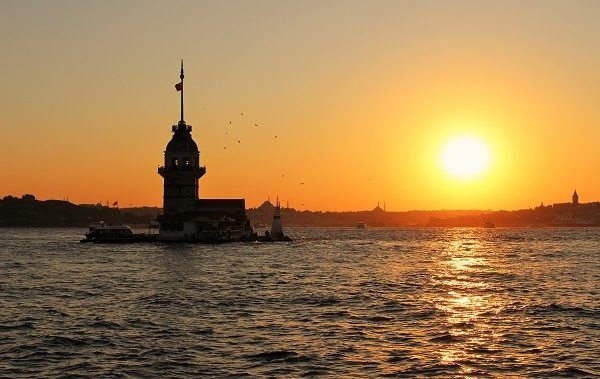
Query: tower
[[181, 169], [575, 198], [276, 227]]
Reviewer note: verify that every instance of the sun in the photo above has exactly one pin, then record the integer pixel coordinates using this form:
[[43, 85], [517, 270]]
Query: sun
[[465, 157]]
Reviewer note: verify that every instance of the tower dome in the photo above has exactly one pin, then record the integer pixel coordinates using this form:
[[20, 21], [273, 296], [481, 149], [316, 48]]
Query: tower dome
[[182, 141]]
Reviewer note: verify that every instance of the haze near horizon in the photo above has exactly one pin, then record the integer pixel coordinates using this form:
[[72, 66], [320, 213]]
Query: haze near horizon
[[428, 105]]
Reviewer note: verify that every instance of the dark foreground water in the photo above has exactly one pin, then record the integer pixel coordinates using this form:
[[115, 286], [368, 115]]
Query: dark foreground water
[[335, 302]]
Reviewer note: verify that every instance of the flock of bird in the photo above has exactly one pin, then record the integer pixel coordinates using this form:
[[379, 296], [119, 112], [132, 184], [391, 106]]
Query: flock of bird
[[228, 130], [238, 141]]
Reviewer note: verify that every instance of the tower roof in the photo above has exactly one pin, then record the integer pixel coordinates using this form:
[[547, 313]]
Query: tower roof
[[182, 140]]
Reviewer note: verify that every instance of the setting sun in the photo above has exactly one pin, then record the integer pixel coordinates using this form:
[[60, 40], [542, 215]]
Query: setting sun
[[465, 157]]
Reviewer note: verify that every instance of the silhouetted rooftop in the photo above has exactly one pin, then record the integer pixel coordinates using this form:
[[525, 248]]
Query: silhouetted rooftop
[[182, 140]]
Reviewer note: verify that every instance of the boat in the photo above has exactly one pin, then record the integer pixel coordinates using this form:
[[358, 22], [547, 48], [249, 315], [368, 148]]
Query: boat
[[361, 225], [119, 233], [489, 224]]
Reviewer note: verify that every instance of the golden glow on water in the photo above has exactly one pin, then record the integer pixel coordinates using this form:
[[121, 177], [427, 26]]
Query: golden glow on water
[[335, 302], [467, 305]]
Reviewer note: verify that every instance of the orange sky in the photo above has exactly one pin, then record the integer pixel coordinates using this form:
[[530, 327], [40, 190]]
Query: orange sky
[[362, 96]]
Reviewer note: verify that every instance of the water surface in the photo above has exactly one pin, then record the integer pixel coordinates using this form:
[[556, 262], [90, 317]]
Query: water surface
[[335, 302]]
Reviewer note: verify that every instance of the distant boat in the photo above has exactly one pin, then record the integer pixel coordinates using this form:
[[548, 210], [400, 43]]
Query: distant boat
[[361, 225], [489, 224]]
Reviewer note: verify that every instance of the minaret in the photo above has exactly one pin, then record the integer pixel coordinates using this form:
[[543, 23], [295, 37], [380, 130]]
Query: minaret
[[276, 227], [181, 169]]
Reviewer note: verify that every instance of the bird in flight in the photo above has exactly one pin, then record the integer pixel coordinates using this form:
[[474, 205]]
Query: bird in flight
[[225, 148], [229, 122], [282, 175], [241, 113], [302, 183], [275, 136], [255, 124], [239, 141]]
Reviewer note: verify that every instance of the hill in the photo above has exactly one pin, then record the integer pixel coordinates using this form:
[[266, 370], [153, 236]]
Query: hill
[[28, 211]]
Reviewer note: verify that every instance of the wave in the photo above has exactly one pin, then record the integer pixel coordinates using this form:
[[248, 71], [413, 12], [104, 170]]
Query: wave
[[279, 356], [544, 308], [104, 324], [446, 338], [27, 325], [571, 371], [64, 341]]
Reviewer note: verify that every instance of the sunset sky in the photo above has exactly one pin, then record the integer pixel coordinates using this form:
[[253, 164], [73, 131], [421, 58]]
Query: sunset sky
[[364, 97]]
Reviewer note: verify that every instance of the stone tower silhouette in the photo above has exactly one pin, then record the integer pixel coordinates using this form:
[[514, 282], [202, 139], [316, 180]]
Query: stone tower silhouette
[[181, 169]]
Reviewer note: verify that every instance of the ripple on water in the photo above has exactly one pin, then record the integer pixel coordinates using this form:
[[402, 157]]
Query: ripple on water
[[336, 303]]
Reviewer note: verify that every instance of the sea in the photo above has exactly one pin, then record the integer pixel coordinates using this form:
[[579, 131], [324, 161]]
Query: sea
[[335, 302]]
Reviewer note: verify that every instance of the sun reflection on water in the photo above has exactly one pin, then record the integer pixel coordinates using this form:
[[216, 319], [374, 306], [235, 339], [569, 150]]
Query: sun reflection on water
[[465, 300]]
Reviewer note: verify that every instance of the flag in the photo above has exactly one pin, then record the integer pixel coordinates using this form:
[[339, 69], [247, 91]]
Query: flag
[[116, 203], [179, 86]]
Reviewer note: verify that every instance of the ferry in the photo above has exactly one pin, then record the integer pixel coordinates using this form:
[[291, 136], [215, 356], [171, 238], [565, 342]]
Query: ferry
[[120, 233], [489, 224], [361, 225]]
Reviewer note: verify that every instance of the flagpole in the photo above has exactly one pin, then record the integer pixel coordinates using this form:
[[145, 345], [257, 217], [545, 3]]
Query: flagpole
[[181, 77]]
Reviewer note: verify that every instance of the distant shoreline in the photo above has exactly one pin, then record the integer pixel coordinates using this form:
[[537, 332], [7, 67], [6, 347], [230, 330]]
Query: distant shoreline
[[29, 212]]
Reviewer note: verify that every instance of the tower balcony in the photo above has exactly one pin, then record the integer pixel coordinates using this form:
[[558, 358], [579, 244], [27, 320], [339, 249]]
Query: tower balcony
[[198, 170], [182, 127]]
